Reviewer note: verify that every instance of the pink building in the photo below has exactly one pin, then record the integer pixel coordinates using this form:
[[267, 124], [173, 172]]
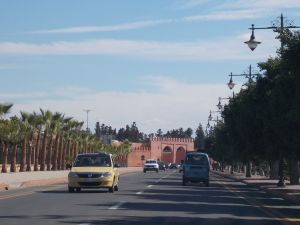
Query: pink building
[[169, 150]]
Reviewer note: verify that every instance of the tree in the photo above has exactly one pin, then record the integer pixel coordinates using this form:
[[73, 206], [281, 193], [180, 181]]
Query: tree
[[159, 133], [46, 118], [4, 134], [4, 109], [199, 139]]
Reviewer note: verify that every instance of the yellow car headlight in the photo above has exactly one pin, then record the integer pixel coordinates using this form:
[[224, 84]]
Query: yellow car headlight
[[107, 174]]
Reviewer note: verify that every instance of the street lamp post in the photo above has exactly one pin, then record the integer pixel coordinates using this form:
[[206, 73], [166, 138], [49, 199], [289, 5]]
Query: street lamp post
[[250, 75], [210, 118], [87, 118], [219, 103], [210, 114], [277, 26], [283, 24]]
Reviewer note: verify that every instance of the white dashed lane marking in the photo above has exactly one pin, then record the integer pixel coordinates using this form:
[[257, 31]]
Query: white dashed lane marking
[[117, 206]]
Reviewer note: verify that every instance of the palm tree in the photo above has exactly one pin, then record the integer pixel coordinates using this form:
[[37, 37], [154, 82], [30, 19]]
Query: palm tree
[[27, 136], [36, 121], [55, 125], [46, 118], [15, 135], [4, 137], [4, 129], [5, 108]]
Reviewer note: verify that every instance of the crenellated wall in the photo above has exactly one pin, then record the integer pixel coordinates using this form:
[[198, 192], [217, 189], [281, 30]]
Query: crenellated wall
[[155, 150], [167, 139], [138, 150]]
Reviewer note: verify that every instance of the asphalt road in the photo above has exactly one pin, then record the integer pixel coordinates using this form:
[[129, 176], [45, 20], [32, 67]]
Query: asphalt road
[[151, 198]]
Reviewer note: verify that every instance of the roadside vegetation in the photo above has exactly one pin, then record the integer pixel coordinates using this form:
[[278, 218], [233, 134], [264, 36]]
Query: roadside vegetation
[[48, 141], [261, 124]]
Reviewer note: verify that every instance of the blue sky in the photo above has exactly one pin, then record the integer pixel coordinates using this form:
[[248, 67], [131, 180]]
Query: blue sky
[[160, 63]]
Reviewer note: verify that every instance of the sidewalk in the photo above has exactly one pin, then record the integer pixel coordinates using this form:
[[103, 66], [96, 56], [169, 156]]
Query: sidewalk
[[289, 192], [38, 178]]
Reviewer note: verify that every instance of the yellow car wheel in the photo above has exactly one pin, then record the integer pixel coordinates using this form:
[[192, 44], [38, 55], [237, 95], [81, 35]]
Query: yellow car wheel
[[112, 188]]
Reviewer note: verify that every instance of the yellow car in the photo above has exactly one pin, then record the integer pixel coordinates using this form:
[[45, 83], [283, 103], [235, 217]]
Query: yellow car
[[93, 170]]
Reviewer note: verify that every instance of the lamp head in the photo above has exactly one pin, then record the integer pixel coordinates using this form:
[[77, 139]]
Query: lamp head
[[219, 105], [252, 43], [230, 84]]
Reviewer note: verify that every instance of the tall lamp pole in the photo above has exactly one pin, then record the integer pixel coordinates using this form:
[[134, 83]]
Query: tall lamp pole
[[277, 26], [87, 118], [219, 103], [250, 75]]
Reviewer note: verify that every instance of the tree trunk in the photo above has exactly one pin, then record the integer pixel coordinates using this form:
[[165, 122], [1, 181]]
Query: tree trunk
[[43, 156], [75, 150], [4, 157], [32, 152], [231, 169], [281, 178], [63, 161], [36, 152], [60, 153], [294, 171], [55, 158], [72, 151], [50, 154], [67, 152], [23, 157], [274, 169], [14, 158], [29, 156], [248, 169]]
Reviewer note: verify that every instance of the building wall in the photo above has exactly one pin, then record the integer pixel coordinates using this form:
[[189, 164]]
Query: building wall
[[176, 147]]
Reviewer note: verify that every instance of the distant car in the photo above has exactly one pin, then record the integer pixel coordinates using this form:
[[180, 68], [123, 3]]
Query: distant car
[[161, 165], [93, 170], [151, 165], [173, 166], [196, 168]]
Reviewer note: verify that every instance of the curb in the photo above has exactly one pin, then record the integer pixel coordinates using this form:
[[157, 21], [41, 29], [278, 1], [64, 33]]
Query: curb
[[4, 187], [295, 200], [43, 182]]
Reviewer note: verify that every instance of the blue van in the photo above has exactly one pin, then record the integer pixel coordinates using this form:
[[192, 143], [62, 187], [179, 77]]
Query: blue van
[[195, 168]]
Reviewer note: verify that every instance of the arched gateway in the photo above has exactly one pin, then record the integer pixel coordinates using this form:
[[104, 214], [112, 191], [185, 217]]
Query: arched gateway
[[169, 150], [180, 154], [167, 154]]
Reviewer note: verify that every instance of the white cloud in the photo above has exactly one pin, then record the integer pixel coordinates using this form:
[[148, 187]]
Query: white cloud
[[224, 10], [106, 28], [204, 50], [261, 5], [175, 104], [226, 15], [192, 3]]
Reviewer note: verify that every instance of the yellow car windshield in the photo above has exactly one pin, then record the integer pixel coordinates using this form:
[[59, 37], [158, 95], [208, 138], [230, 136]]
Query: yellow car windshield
[[92, 161]]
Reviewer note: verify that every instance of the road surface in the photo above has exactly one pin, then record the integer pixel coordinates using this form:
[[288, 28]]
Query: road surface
[[151, 198]]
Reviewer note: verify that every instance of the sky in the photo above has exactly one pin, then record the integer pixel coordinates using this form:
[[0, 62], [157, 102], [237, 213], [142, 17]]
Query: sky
[[161, 63]]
